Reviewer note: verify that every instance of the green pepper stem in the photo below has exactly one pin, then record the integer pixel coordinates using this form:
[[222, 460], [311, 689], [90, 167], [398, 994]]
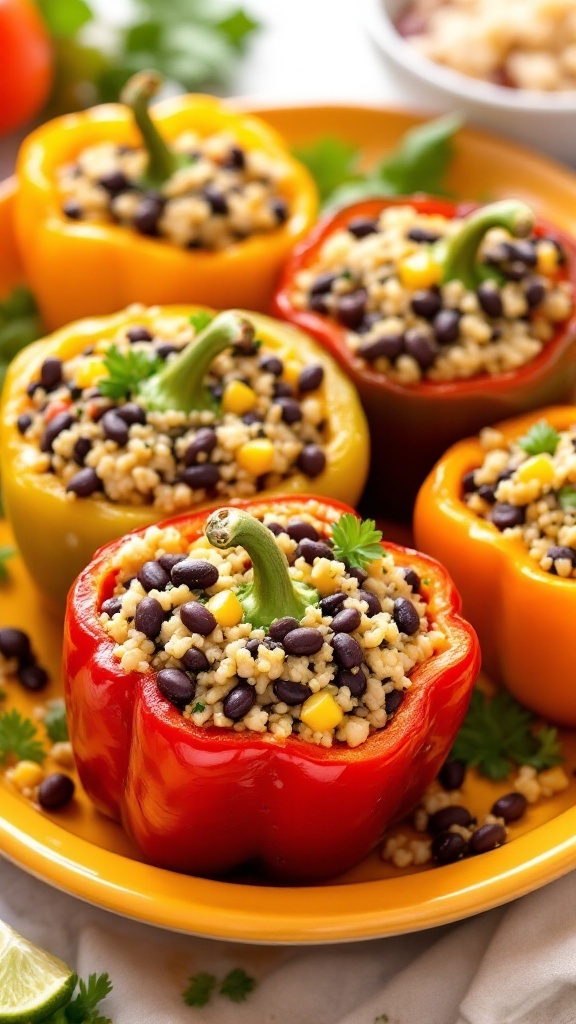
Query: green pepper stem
[[162, 161], [272, 593], [180, 384], [459, 254]]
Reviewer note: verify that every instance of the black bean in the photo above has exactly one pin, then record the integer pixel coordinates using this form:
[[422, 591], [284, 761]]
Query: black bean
[[448, 847], [270, 645], [297, 530], [303, 640], [84, 483], [505, 516], [176, 686], [362, 226], [355, 681], [204, 442], [357, 573], [281, 627], [310, 378], [216, 199], [80, 450], [51, 373], [393, 700], [197, 618], [138, 333], [290, 693], [131, 412], [61, 422], [153, 577], [534, 292], [32, 388], [331, 604], [318, 304], [426, 303], [115, 429], [390, 346], [14, 643], [33, 677], [447, 326], [111, 606], [312, 460], [412, 579], [346, 621], [72, 209], [23, 422], [452, 773], [564, 553], [524, 251], [195, 660], [280, 209], [311, 549], [235, 159], [368, 322], [515, 271], [486, 838], [114, 182], [405, 616], [169, 561], [149, 617], [373, 602], [271, 364], [239, 701], [418, 234], [282, 389], [487, 492], [147, 215], [422, 347], [275, 528], [291, 411], [350, 308], [203, 477], [490, 299], [252, 417], [75, 392], [197, 574], [163, 351], [347, 651], [323, 283], [468, 483], [55, 791], [511, 806], [447, 816]]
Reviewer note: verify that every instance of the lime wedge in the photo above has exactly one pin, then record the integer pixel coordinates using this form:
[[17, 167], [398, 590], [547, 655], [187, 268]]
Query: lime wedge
[[33, 984]]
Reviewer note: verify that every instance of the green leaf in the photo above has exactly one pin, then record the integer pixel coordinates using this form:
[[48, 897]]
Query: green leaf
[[420, 162], [237, 27], [19, 326], [65, 18], [55, 721], [6, 552], [498, 733], [332, 162], [567, 498], [237, 985], [18, 738], [200, 320], [541, 438], [126, 370], [200, 989], [198, 708], [83, 1009], [369, 187], [356, 541]]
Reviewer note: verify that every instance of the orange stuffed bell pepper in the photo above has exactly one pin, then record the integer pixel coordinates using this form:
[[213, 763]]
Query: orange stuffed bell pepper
[[116, 422], [500, 512], [198, 204], [263, 685], [446, 319]]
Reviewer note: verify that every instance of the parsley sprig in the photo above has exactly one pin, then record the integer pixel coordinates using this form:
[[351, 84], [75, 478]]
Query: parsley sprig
[[541, 439], [356, 541], [200, 989], [126, 370], [55, 721], [236, 986], [18, 738], [499, 733], [567, 498], [84, 1007]]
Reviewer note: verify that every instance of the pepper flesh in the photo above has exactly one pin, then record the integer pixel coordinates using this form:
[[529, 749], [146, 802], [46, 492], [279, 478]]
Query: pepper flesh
[[415, 423], [71, 531], [81, 268], [206, 800], [524, 616]]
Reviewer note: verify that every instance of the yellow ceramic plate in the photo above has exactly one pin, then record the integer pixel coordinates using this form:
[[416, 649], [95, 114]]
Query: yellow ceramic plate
[[85, 854]]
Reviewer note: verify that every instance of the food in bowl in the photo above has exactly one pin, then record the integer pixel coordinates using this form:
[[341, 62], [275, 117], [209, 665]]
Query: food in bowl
[[263, 674]]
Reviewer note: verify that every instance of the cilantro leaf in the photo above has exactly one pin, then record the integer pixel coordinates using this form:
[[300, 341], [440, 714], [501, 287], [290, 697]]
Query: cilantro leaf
[[18, 738], [200, 320], [83, 1009], [198, 707], [237, 985], [567, 498], [126, 371], [541, 438], [356, 541], [6, 552], [64, 18], [498, 733], [237, 27], [55, 721], [332, 162], [200, 989], [19, 326]]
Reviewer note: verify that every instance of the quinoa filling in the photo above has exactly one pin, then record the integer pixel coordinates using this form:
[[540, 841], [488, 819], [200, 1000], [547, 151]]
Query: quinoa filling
[[527, 489], [333, 664], [170, 413], [382, 280]]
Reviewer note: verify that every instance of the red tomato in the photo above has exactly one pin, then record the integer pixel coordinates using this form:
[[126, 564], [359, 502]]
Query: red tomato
[[25, 63]]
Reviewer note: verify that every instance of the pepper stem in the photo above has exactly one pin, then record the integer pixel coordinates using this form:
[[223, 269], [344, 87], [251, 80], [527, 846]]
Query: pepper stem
[[162, 161], [180, 384], [459, 254], [272, 593]]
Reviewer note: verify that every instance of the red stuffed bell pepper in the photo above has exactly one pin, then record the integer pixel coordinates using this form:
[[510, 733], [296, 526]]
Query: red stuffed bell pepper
[[442, 330], [231, 708]]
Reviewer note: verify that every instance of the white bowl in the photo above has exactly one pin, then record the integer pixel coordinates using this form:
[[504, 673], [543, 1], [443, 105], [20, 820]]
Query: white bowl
[[544, 120]]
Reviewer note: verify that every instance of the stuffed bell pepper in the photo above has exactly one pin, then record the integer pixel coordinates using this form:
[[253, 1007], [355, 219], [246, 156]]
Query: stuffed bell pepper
[[266, 684], [199, 203], [116, 422], [500, 511], [445, 318]]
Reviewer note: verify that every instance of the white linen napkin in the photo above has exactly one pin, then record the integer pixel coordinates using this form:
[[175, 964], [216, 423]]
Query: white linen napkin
[[513, 965]]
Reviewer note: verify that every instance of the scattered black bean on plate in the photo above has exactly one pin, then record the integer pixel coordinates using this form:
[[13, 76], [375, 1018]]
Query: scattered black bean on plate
[[55, 791]]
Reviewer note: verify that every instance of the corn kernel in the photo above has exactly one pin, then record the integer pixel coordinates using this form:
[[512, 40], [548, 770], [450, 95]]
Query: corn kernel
[[257, 456], [226, 608], [419, 270], [321, 712], [292, 371], [89, 371], [238, 398], [547, 258], [27, 774], [323, 576], [539, 467]]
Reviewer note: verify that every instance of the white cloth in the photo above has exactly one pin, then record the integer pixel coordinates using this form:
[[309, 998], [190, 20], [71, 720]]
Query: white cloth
[[514, 965]]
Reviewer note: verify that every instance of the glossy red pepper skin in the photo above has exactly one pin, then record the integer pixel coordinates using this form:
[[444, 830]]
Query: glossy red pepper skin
[[203, 801], [411, 426]]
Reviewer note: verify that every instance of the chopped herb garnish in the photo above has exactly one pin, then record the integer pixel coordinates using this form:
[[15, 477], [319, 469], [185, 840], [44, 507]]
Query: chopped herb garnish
[[356, 541], [200, 989], [126, 371], [200, 320], [55, 722], [540, 439], [237, 985], [18, 738], [6, 552], [567, 498], [498, 733], [198, 708], [83, 1009]]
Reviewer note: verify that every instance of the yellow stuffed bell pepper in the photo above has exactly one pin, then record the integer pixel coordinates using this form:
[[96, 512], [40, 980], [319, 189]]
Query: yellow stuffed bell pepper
[[199, 204], [112, 423], [499, 511]]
